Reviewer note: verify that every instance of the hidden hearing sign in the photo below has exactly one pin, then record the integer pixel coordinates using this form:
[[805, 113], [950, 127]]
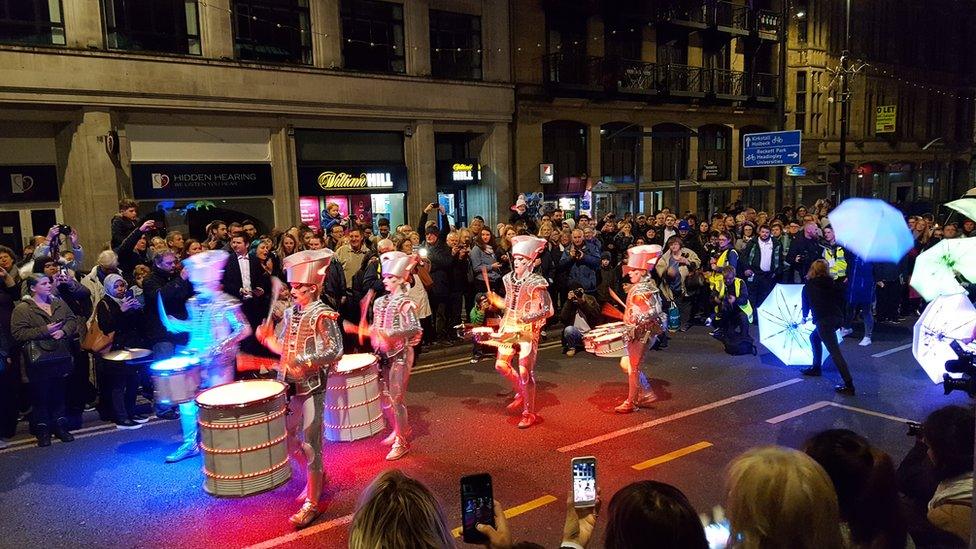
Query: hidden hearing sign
[[317, 181], [29, 183], [163, 181]]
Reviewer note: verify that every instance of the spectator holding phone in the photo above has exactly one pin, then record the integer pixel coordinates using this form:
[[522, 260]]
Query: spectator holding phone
[[134, 249], [120, 313], [51, 246], [579, 315], [124, 222]]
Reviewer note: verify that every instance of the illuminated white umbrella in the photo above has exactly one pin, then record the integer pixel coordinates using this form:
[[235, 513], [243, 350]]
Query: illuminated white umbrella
[[936, 268], [781, 326], [949, 318]]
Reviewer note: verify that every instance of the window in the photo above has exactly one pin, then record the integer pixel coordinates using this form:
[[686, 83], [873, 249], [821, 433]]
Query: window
[[167, 26], [800, 110], [455, 45], [801, 14], [564, 144], [272, 30], [935, 127], [623, 40], [372, 36], [31, 22], [619, 154], [714, 153], [669, 154]]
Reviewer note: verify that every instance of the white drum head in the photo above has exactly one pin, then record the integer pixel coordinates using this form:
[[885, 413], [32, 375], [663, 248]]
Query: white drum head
[[173, 365], [356, 361], [240, 393]]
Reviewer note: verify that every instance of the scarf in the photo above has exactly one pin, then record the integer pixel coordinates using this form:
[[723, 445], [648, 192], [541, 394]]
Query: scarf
[[956, 491], [110, 281]]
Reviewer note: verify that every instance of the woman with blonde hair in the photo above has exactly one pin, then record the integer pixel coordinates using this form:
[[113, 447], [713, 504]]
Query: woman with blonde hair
[[545, 229], [398, 511], [780, 498]]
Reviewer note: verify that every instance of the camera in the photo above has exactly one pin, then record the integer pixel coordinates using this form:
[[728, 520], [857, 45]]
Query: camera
[[914, 428], [64, 229], [961, 365], [578, 292]]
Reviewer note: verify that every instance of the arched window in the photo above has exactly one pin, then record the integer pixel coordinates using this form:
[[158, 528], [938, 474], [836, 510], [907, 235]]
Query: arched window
[[619, 154], [669, 153], [564, 145], [714, 152]]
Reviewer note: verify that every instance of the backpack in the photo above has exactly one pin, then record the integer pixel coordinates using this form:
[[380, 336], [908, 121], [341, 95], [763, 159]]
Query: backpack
[[740, 344]]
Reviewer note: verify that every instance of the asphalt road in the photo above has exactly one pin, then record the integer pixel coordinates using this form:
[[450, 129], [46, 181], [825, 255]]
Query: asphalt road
[[111, 488]]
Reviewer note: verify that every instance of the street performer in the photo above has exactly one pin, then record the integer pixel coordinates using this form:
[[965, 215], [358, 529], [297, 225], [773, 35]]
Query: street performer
[[216, 326], [526, 307], [643, 318], [394, 333], [310, 343]]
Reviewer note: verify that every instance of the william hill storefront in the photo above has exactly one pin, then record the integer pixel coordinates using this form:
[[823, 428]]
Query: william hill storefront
[[363, 172]]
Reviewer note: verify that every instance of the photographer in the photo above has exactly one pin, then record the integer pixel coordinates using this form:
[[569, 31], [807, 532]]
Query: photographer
[[459, 271], [133, 250], [51, 246], [673, 268], [580, 313]]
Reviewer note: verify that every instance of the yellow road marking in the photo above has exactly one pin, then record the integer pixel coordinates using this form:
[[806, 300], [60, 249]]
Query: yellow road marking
[[518, 510], [671, 456]]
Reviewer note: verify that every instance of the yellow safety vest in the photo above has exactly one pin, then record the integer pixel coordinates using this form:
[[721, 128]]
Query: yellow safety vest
[[836, 261], [747, 308]]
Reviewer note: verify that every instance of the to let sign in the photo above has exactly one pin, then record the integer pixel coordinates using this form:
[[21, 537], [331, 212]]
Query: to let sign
[[546, 174], [884, 118], [762, 150]]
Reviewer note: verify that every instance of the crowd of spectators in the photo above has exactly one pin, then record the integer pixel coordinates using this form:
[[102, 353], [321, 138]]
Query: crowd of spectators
[[838, 492]]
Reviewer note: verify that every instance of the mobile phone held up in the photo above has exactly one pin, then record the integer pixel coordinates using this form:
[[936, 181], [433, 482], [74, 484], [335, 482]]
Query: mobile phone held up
[[584, 481], [477, 506]]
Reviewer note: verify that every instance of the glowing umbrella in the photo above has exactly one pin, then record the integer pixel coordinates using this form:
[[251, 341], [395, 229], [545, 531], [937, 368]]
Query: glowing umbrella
[[781, 326], [936, 268], [949, 318], [872, 229], [965, 206]]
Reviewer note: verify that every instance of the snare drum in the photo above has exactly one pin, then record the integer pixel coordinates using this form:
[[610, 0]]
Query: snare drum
[[352, 399], [481, 334], [243, 437], [601, 330], [175, 380], [611, 344]]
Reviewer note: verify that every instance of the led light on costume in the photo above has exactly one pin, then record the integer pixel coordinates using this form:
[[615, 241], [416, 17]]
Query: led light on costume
[[216, 326], [394, 333], [310, 344], [645, 318], [526, 307]]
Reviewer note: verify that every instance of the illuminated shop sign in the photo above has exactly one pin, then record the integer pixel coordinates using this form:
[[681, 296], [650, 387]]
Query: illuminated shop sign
[[458, 172], [320, 180], [161, 181]]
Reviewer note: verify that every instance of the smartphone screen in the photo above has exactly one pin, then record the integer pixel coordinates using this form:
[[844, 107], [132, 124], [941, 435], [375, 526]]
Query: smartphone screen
[[584, 481], [477, 506]]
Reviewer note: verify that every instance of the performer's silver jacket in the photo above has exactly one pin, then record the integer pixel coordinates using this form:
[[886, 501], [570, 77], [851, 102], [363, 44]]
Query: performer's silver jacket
[[310, 344], [216, 327], [643, 311], [394, 315], [519, 296]]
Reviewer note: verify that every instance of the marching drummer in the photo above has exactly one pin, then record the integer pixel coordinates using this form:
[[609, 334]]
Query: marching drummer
[[642, 315], [216, 326], [394, 333], [309, 342], [527, 306]]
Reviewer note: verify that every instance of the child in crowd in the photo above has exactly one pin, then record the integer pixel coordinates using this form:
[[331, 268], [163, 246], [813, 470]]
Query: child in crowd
[[482, 314]]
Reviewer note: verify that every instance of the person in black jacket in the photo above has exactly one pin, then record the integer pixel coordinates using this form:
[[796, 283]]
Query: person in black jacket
[[804, 250], [585, 306], [175, 289], [124, 222], [132, 250], [121, 314], [824, 297], [438, 255]]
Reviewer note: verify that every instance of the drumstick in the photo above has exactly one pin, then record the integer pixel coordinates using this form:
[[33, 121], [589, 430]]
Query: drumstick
[[484, 275], [276, 286], [363, 305], [616, 298]]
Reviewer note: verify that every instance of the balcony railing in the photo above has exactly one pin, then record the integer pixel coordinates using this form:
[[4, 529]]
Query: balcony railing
[[694, 14], [574, 70], [766, 24], [724, 82], [637, 77], [681, 80], [727, 14]]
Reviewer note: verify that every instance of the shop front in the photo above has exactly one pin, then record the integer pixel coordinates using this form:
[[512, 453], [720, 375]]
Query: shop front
[[29, 200], [368, 193], [453, 179]]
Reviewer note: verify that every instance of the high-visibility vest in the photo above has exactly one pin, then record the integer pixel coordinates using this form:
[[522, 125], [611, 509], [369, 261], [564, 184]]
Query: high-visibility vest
[[747, 307], [836, 261]]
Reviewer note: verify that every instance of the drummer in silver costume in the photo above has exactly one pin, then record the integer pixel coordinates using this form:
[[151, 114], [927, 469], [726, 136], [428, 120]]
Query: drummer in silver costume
[[527, 306], [643, 317], [394, 333], [310, 343], [216, 326]]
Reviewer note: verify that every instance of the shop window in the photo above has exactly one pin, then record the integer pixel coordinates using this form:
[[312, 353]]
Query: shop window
[[191, 217], [272, 30], [455, 45], [800, 110], [669, 154], [372, 36], [714, 153], [167, 26], [619, 154], [31, 22], [564, 144]]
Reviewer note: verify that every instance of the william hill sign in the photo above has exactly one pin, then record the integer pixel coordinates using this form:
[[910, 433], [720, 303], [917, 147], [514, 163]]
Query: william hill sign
[[320, 180], [458, 172]]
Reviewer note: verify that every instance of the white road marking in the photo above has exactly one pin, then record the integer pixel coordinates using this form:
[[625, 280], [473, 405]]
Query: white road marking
[[679, 415], [898, 349], [455, 362], [95, 430], [314, 529], [824, 404]]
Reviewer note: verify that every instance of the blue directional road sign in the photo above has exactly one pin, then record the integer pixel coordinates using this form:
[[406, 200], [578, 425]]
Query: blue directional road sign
[[761, 150]]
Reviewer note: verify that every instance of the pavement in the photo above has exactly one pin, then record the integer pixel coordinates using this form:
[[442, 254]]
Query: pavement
[[111, 488]]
